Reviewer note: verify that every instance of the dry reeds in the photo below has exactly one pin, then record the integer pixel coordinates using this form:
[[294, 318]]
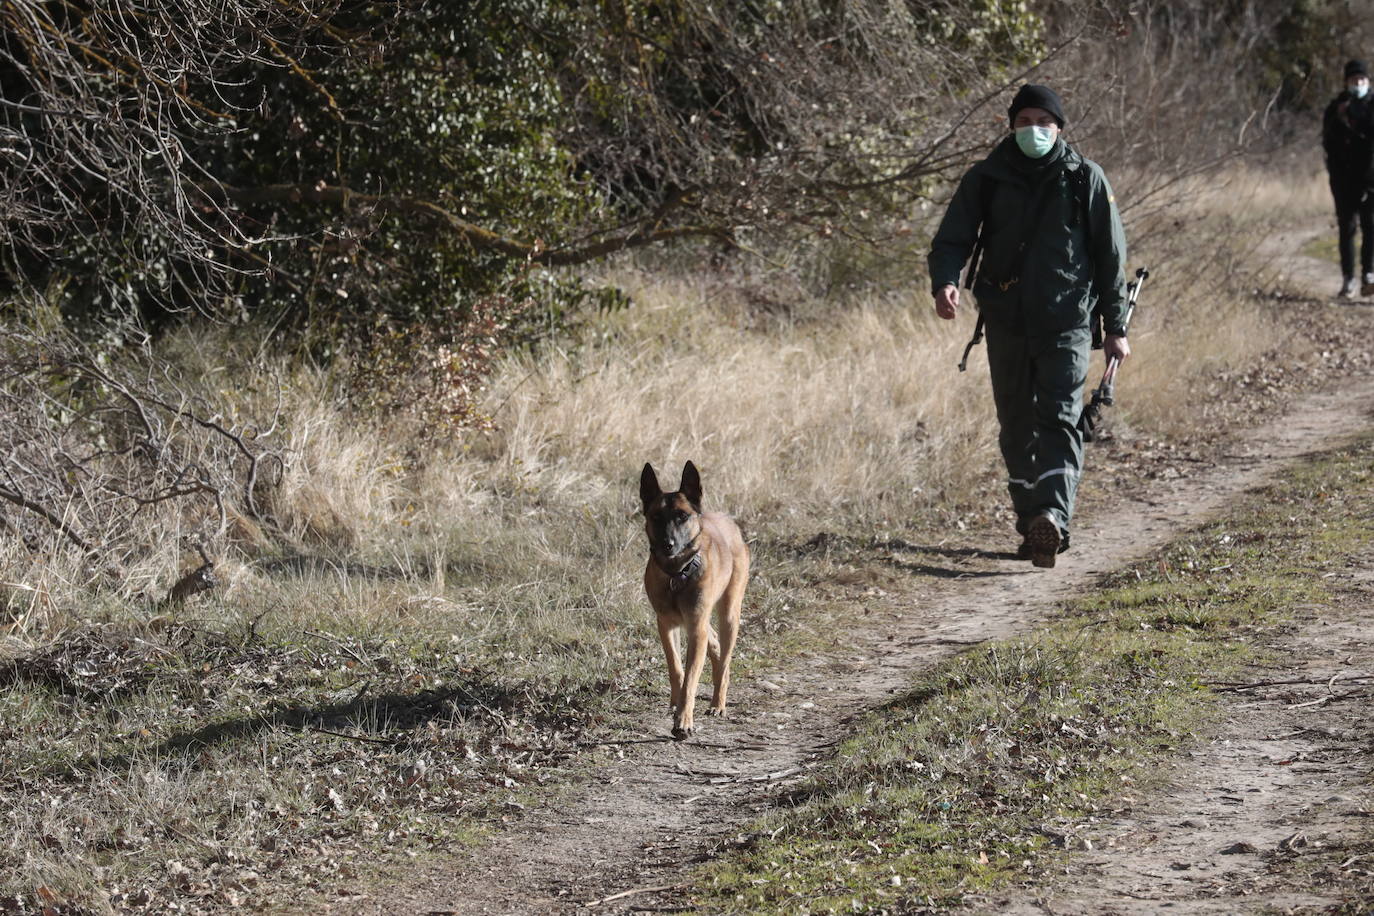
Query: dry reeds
[[854, 416]]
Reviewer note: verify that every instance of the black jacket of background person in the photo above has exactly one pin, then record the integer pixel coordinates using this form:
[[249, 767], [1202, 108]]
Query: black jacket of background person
[[1348, 139]]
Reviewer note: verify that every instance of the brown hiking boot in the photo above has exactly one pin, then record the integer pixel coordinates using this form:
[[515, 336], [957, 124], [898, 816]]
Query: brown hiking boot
[[1023, 550], [1043, 539]]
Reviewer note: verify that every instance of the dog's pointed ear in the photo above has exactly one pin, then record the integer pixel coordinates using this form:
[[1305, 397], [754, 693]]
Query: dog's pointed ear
[[691, 485], [649, 490]]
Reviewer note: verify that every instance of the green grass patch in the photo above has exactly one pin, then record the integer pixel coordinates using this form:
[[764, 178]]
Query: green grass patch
[[984, 770]]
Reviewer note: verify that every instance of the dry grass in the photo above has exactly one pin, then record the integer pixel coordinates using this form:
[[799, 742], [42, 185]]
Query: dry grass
[[455, 608], [1199, 327], [859, 415], [856, 416]]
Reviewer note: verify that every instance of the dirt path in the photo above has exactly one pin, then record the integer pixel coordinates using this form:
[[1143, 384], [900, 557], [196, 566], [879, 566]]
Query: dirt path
[[1274, 784], [642, 820], [1287, 773]]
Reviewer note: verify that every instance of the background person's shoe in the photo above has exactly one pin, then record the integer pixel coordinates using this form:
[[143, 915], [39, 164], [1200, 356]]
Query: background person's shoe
[[1044, 540], [1367, 288], [1347, 288]]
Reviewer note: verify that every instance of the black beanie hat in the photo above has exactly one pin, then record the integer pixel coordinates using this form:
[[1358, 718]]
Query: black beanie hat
[[1034, 96], [1355, 68]]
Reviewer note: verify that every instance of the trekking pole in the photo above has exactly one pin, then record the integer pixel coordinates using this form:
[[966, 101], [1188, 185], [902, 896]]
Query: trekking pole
[[1106, 392]]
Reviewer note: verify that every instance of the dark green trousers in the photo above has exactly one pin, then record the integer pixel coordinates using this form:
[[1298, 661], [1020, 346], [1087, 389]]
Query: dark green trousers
[[1037, 385]]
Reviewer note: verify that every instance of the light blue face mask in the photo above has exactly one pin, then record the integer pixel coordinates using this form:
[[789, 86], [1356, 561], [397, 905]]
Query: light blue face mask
[[1035, 141], [1359, 90]]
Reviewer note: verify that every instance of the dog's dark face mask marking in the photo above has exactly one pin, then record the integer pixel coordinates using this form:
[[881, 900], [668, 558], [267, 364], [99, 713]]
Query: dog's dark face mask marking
[[671, 520], [672, 525]]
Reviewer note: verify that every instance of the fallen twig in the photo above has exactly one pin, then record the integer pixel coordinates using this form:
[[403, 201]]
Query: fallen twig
[[780, 774], [631, 893], [338, 642], [662, 739], [1329, 698], [709, 774], [190, 839], [1223, 686]]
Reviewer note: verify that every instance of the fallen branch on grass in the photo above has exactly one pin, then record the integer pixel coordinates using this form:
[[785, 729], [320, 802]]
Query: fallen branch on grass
[[1224, 686], [338, 642], [363, 738]]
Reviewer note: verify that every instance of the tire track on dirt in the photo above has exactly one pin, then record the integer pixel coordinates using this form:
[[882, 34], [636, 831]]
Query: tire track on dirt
[[644, 820]]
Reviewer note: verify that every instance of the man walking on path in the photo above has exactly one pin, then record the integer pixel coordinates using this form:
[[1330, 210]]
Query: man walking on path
[[1050, 252], [1348, 141]]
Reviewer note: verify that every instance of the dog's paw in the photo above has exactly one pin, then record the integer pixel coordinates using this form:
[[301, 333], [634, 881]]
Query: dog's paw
[[680, 733], [717, 711]]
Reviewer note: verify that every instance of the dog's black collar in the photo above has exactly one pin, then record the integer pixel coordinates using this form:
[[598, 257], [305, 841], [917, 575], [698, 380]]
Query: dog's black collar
[[686, 573]]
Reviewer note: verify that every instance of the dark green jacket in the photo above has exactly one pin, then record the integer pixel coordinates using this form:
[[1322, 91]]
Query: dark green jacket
[[1074, 256]]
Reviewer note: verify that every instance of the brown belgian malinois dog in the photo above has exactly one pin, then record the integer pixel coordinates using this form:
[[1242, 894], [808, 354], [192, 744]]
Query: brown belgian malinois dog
[[698, 562]]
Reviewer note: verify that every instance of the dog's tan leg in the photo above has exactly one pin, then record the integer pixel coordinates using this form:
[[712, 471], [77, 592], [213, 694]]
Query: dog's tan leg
[[728, 614], [665, 634], [720, 668], [698, 627], [713, 653]]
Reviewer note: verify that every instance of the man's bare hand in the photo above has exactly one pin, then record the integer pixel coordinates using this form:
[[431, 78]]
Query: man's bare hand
[[1119, 347], [947, 301]]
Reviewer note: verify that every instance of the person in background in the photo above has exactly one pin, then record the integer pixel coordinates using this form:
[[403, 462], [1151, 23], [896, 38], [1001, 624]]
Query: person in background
[[1051, 253], [1348, 142]]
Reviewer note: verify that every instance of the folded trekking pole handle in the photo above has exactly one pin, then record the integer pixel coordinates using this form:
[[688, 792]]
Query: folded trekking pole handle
[[1107, 390]]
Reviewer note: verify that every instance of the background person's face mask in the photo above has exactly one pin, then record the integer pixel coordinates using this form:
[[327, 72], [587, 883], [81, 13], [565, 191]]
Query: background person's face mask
[[1359, 89], [1035, 141]]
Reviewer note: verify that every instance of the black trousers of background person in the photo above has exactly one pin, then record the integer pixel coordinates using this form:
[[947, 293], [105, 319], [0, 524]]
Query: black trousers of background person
[[1354, 207]]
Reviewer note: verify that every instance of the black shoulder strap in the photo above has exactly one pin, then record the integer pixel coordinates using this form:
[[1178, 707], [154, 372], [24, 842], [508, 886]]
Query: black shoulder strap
[[985, 192], [1081, 186]]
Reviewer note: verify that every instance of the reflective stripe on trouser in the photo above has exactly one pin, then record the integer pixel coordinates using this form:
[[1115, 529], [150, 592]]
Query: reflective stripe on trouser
[[1037, 385]]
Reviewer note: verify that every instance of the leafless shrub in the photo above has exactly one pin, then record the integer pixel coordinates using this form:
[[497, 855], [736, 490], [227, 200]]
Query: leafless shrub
[[791, 118], [102, 110], [118, 460], [1163, 92]]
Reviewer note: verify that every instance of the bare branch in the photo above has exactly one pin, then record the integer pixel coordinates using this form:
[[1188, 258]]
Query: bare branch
[[106, 457]]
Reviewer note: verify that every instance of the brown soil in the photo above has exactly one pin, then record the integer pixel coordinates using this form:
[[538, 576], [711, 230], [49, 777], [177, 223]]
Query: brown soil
[[626, 837]]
